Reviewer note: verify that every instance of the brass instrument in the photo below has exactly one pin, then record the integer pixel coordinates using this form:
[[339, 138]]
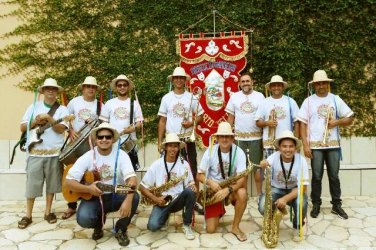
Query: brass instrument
[[157, 191], [327, 131], [186, 116], [271, 221], [272, 130], [192, 138]]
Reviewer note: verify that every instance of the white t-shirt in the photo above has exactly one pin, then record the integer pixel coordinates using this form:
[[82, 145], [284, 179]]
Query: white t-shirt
[[82, 110], [300, 167], [157, 176], [52, 141], [176, 108], [313, 112], [117, 113], [286, 112], [105, 165], [211, 167], [244, 108]]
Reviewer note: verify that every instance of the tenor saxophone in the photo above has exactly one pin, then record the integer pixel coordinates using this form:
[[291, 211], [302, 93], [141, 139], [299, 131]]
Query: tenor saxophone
[[272, 219]]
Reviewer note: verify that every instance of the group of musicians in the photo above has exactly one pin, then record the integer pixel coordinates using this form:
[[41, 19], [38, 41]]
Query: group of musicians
[[257, 128]]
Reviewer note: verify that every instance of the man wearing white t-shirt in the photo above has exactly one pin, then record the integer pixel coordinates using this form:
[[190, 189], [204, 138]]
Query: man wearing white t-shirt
[[321, 115], [289, 170], [125, 115], [176, 116], [223, 161], [241, 109], [113, 168], [276, 114], [43, 158], [177, 197], [85, 108]]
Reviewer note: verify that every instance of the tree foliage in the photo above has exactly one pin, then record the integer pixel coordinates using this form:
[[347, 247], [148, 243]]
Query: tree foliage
[[71, 39]]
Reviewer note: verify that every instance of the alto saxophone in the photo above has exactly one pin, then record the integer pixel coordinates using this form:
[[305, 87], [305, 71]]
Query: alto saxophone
[[157, 191], [271, 221], [327, 131]]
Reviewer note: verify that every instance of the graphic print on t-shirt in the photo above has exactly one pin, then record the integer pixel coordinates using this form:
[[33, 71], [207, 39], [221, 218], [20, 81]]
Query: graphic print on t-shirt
[[121, 113]]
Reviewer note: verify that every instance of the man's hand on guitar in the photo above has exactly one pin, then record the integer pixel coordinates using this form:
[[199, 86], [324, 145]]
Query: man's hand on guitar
[[94, 190]]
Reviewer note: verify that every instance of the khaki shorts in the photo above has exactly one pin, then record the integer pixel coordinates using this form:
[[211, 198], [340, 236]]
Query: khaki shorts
[[39, 169], [255, 150]]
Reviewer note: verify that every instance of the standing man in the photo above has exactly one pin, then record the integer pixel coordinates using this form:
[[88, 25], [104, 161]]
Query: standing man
[[43, 158], [276, 114], [321, 115], [223, 161], [178, 196], [175, 116], [125, 115], [241, 109], [85, 109], [113, 168]]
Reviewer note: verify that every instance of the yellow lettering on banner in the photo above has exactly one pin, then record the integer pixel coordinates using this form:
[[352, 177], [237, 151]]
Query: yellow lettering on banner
[[222, 119], [208, 120]]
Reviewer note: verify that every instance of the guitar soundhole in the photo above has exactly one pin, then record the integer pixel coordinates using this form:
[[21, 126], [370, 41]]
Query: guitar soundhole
[[70, 192]]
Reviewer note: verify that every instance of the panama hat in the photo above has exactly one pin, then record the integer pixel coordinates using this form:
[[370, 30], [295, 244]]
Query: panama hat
[[50, 82], [89, 80], [287, 134], [276, 79], [118, 78], [172, 138], [105, 125], [320, 76], [179, 71], [224, 128]]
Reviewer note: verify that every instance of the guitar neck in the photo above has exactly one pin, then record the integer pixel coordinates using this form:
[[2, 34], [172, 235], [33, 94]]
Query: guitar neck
[[119, 189], [43, 128]]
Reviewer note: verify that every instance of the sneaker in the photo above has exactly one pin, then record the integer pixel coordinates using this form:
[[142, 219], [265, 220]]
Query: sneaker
[[199, 209], [337, 209], [97, 234], [189, 235], [315, 211], [295, 236], [122, 238]]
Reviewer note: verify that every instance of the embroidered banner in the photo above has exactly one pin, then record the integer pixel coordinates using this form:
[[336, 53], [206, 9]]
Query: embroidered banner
[[214, 64]]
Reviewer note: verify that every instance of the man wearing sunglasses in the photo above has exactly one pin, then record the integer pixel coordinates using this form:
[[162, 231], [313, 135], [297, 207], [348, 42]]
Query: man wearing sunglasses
[[113, 168]]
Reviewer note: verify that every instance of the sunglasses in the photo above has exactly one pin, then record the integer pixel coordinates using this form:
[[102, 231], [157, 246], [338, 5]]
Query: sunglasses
[[122, 85], [100, 137]]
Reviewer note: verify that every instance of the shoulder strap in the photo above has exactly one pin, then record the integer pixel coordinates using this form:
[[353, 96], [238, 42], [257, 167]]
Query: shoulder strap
[[132, 113], [53, 109], [99, 107]]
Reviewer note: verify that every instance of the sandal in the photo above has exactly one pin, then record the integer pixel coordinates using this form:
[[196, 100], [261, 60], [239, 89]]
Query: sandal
[[51, 218], [24, 222], [240, 236], [66, 215]]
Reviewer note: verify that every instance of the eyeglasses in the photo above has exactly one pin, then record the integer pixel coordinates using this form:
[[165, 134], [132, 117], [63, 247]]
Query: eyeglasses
[[100, 137], [122, 85]]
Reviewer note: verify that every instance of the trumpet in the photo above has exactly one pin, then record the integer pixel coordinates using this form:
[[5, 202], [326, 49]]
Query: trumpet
[[327, 131], [192, 138]]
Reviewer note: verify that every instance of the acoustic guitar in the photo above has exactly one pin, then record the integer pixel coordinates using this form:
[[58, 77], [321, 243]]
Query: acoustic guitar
[[88, 178]]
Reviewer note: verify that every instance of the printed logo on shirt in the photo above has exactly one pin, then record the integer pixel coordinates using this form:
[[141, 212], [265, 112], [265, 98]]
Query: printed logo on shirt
[[173, 175], [323, 109], [178, 110], [121, 113], [281, 179], [105, 172], [247, 107], [84, 114], [280, 113]]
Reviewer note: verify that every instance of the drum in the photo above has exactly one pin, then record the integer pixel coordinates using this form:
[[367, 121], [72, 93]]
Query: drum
[[128, 145], [73, 150]]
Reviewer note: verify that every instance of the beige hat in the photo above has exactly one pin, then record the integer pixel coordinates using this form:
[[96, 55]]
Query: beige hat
[[224, 128], [172, 138], [89, 80], [105, 125], [276, 79], [287, 134], [320, 76], [118, 78], [179, 71], [50, 82]]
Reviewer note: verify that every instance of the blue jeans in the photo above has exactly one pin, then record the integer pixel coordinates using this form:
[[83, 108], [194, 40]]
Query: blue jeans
[[89, 213], [331, 158], [278, 193], [190, 155], [159, 215]]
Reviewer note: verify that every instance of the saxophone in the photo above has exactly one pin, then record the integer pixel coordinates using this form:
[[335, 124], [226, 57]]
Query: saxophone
[[271, 131], [327, 131], [157, 191], [270, 225]]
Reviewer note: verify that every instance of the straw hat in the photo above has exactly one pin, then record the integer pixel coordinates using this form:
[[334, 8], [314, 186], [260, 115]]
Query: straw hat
[[276, 79], [89, 80], [224, 128], [287, 134], [320, 76], [172, 138], [50, 82], [105, 125], [179, 71], [121, 77]]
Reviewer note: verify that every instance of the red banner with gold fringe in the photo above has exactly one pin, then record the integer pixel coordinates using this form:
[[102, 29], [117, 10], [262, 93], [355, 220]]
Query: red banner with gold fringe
[[214, 64]]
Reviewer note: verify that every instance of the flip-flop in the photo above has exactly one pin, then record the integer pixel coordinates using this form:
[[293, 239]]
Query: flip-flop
[[240, 236], [67, 215]]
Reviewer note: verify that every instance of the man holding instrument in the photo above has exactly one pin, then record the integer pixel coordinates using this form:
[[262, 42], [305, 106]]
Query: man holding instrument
[[113, 167], [86, 108], [125, 115], [176, 116], [321, 114], [43, 159]]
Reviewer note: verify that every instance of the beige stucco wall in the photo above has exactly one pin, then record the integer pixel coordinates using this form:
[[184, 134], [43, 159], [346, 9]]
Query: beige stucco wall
[[13, 101]]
